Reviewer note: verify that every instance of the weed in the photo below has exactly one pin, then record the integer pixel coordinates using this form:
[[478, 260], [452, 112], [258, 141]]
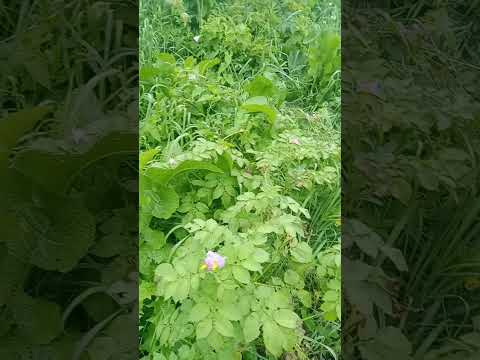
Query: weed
[[239, 179]]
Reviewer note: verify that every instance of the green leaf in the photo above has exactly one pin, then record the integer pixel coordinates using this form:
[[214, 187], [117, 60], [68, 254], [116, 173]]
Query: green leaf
[[261, 86], [286, 318], [225, 162], [401, 190], [165, 271], [154, 239], [244, 251], [182, 290], [39, 321], [146, 291], [168, 290], [215, 340], [163, 176], [14, 125], [292, 278], [102, 347], [218, 192], [251, 328], [146, 156], [161, 201], [68, 237], [166, 58], [204, 328], [329, 314], [428, 179], [305, 298], [263, 291], [252, 265], [331, 295], [273, 338], [280, 299], [261, 255], [260, 104], [241, 274], [453, 154], [302, 253], [205, 65], [48, 164], [164, 68], [389, 343], [224, 327], [396, 256], [110, 245], [365, 238], [230, 311], [148, 72], [199, 312]]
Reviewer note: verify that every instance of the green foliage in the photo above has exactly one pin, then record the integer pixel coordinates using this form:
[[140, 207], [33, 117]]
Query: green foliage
[[68, 169], [234, 145], [413, 209], [329, 279]]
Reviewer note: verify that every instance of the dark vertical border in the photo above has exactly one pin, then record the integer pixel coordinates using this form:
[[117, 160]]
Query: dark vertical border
[[411, 201], [68, 172]]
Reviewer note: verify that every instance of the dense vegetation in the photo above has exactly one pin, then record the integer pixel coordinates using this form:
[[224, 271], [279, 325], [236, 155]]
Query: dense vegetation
[[410, 153], [68, 173], [239, 179]]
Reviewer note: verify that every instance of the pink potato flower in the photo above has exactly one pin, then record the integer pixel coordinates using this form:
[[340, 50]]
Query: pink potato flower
[[213, 261], [295, 141]]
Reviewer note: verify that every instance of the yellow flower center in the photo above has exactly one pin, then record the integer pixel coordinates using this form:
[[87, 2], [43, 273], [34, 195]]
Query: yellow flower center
[[214, 266]]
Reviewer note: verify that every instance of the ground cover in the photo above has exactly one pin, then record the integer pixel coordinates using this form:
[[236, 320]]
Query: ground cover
[[239, 179]]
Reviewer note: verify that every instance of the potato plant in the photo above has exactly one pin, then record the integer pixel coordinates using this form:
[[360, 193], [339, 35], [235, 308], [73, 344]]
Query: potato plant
[[239, 178]]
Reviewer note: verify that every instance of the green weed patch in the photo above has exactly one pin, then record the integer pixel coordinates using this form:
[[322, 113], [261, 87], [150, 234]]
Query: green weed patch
[[239, 180]]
